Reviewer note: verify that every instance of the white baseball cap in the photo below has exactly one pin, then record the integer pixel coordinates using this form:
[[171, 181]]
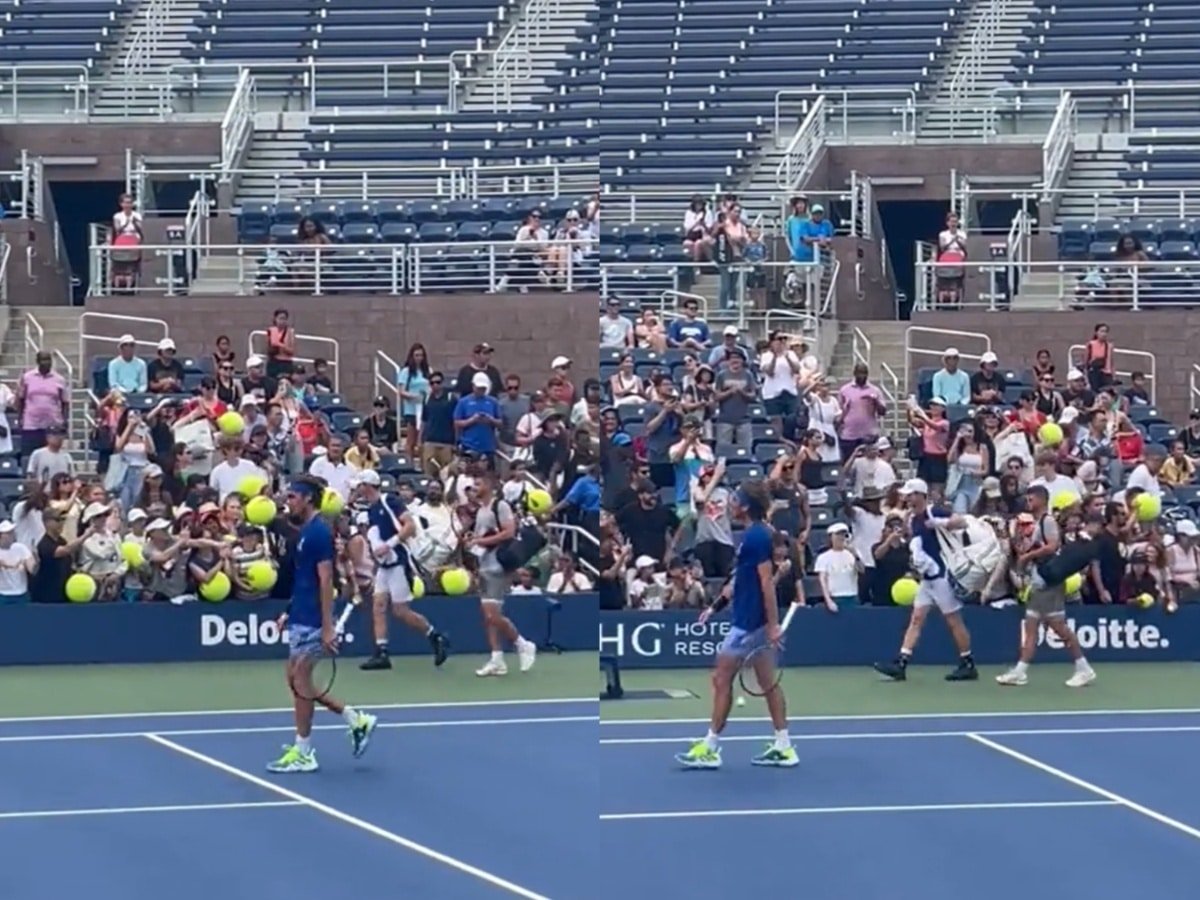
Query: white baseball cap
[[125, 339], [560, 362], [254, 360], [136, 515], [937, 401], [481, 379], [7, 526], [95, 509], [915, 486], [1187, 528], [1073, 374], [838, 528], [166, 344], [950, 351], [248, 400], [369, 477], [730, 331], [158, 525], [645, 562], [989, 357]]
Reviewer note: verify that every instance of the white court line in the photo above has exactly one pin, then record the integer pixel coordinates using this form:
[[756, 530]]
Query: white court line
[[131, 810], [908, 735], [900, 717], [839, 810], [1087, 786], [457, 864], [458, 704], [269, 729]]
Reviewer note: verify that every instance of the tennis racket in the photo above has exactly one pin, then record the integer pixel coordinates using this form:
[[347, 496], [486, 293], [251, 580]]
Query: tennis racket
[[749, 676], [324, 665]]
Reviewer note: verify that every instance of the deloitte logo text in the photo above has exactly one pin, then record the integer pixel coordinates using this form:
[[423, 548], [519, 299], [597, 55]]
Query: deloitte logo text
[[1109, 634], [217, 630]]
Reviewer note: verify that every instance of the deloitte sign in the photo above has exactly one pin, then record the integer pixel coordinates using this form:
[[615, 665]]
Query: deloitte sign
[[253, 631], [1109, 634]]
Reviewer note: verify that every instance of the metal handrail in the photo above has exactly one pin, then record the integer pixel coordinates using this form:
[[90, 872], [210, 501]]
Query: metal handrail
[[148, 28], [554, 179], [333, 357], [389, 383], [803, 149], [841, 100], [129, 325], [5, 254], [971, 64], [237, 126], [829, 299], [1059, 146], [1142, 361], [1194, 386], [860, 347], [954, 338], [575, 533]]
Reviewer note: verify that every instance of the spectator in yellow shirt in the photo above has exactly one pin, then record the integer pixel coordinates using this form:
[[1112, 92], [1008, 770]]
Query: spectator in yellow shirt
[[362, 455], [1178, 468]]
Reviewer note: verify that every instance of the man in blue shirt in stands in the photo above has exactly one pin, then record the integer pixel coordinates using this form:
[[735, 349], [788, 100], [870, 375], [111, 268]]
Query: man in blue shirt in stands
[[812, 235], [477, 418], [126, 372]]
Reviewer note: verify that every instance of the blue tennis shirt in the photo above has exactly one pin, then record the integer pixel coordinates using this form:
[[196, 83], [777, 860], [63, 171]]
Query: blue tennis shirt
[[314, 547], [748, 612]]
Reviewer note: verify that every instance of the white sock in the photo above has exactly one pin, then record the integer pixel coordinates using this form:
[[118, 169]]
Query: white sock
[[782, 740], [713, 740], [520, 642], [304, 744], [350, 715], [497, 656], [1021, 668], [1082, 665]]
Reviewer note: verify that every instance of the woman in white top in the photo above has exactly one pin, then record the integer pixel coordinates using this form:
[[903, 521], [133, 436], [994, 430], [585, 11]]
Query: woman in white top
[[17, 563], [134, 447], [969, 465], [779, 368], [838, 569], [572, 242], [824, 412], [951, 254], [626, 387], [7, 399], [649, 332], [127, 238], [528, 254], [697, 227]]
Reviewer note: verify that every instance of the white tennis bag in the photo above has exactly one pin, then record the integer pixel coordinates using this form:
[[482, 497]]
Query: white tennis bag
[[971, 553]]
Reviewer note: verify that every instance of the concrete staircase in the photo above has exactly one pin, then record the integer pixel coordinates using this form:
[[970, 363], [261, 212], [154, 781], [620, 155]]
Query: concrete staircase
[[546, 43], [155, 35], [1093, 178], [978, 64], [273, 158], [886, 340]]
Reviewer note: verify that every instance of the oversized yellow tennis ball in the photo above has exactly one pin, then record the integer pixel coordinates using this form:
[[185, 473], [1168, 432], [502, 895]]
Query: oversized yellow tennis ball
[[132, 553], [1062, 500], [904, 591], [539, 502], [332, 503], [216, 588], [1147, 507], [261, 575], [456, 581], [231, 423], [1143, 601], [251, 486], [1074, 583], [1050, 434], [418, 587], [261, 511], [81, 588]]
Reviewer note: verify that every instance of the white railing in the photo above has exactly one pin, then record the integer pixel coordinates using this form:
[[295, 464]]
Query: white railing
[[850, 114], [1194, 387], [891, 385], [237, 127], [327, 184], [45, 92], [972, 61], [1070, 284], [803, 150], [33, 337], [249, 269], [573, 534], [386, 378], [5, 253], [1059, 146], [860, 347], [150, 23], [488, 76], [1158, 202], [1125, 363], [829, 308], [321, 347], [106, 329], [197, 230], [553, 179], [919, 338]]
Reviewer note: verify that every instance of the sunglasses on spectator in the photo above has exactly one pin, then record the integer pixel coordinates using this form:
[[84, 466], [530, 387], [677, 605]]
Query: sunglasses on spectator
[[435, 381]]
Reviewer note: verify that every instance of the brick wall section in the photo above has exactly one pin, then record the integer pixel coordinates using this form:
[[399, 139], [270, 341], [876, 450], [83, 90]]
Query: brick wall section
[[107, 144], [1016, 338], [527, 330]]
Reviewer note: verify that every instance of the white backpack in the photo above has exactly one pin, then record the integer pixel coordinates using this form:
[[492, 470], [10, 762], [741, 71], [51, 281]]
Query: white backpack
[[971, 553]]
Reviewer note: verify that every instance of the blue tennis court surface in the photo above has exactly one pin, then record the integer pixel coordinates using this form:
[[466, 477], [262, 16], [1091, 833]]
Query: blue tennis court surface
[[989, 807], [452, 801]]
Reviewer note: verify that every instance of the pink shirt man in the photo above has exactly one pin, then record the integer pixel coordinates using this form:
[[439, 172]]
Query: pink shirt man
[[43, 394], [862, 404]]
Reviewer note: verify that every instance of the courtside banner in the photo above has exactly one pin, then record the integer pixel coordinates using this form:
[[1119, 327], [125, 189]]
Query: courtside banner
[[35, 634], [859, 637]]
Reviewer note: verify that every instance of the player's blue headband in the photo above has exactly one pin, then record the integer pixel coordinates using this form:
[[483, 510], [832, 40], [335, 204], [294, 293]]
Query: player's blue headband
[[747, 502], [303, 488]]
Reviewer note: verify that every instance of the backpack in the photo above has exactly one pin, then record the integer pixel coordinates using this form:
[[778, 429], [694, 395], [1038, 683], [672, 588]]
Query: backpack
[[971, 554], [528, 542]]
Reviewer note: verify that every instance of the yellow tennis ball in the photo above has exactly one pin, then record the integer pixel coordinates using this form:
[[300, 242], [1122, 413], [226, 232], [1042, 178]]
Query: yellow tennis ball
[[1074, 583], [81, 588], [1050, 434], [1143, 601], [261, 511], [418, 587], [231, 423], [216, 588], [456, 581], [1023, 594], [1147, 507], [132, 553], [904, 591], [261, 575], [251, 486], [539, 502], [1063, 500], [332, 503]]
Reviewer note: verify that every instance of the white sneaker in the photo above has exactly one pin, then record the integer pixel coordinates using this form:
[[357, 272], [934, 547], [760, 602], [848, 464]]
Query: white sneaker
[[527, 654], [491, 668], [1013, 678], [1082, 678]]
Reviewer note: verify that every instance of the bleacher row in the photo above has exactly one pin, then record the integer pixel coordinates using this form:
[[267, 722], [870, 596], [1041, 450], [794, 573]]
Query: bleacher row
[[1169, 239]]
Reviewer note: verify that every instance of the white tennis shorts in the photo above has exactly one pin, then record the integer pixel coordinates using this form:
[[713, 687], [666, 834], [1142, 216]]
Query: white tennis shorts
[[937, 592], [393, 584]]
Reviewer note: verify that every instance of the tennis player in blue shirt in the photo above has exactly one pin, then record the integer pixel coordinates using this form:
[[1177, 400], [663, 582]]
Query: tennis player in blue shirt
[[311, 630], [754, 623], [935, 589]]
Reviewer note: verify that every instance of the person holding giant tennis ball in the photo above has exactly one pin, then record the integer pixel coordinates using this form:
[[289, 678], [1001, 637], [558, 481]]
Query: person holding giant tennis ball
[[231, 424], [217, 588], [1147, 507], [252, 486], [81, 588], [261, 575], [261, 511], [1050, 434]]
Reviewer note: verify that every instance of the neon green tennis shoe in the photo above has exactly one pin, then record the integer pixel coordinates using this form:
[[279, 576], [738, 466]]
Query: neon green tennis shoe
[[700, 756], [294, 760], [779, 758]]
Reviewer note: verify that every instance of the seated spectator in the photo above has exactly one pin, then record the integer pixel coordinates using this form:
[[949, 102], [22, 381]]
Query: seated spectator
[[1138, 392], [526, 582], [689, 331], [950, 382], [568, 579], [332, 467], [649, 332], [646, 588], [362, 455], [274, 268], [616, 331], [987, 385], [165, 372], [127, 372], [223, 352], [381, 426], [1178, 468], [698, 222], [1183, 562]]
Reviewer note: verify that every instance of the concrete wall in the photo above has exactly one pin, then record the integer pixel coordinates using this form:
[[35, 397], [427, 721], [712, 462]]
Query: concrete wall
[[930, 163], [107, 144], [1017, 336], [527, 330]]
